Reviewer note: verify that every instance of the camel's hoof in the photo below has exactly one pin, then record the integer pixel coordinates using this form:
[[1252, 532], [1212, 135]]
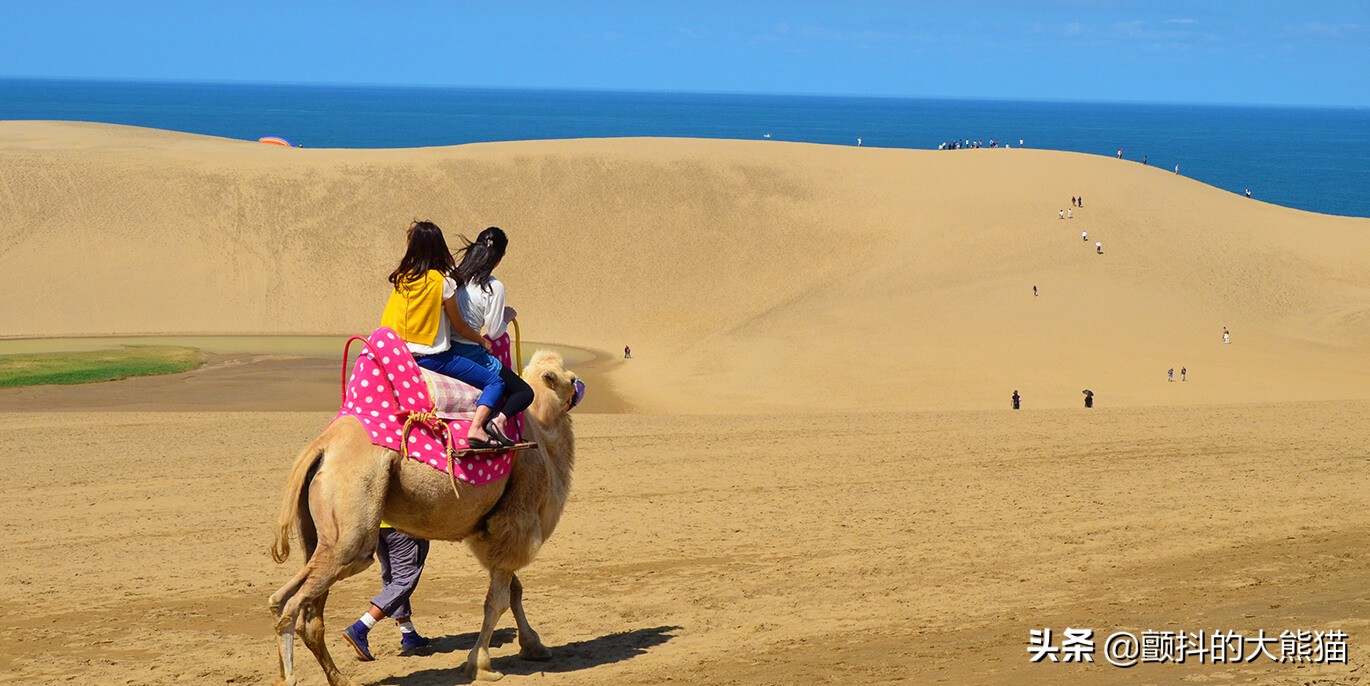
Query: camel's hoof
[[536, 652], [476, 674]]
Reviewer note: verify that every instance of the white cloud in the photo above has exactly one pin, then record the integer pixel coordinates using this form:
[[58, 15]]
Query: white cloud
[[1318, 28]]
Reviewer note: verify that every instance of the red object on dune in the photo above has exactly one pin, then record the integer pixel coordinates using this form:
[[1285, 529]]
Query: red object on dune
[[272, 140]]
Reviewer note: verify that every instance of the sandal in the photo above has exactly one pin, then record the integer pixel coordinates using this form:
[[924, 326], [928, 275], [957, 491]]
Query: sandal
[[498, 436], [478, 444]]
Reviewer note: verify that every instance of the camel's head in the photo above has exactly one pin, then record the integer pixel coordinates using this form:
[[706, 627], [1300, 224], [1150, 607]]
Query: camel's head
[[547, 371]]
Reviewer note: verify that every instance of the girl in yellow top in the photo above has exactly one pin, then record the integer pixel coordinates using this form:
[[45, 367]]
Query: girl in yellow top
[[423, 306]]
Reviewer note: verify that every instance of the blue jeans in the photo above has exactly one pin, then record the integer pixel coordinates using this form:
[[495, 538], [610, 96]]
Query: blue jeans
[[449, 363], [477, 354]]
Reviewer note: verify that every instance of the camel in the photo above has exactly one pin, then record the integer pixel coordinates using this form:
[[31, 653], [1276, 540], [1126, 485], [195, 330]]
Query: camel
[[341, 486]]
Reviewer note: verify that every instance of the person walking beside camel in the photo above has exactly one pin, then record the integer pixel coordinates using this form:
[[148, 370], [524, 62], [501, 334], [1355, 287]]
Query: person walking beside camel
[[402, 561]]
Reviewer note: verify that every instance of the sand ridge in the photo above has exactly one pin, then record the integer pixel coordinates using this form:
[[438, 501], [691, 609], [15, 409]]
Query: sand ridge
[[746, 274]]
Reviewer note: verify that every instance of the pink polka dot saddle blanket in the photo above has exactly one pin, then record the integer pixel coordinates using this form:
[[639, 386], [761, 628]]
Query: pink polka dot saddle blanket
[[419, 413]]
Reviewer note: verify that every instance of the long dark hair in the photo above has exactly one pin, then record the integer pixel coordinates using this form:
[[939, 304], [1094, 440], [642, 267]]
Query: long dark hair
[[427, 250], [480, 257]]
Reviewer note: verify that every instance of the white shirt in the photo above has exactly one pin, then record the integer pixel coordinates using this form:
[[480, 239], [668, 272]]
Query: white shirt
[[442, 342], [482, 310]]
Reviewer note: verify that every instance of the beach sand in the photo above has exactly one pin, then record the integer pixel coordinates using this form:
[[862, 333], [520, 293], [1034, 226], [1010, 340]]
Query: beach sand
[[807, 473]]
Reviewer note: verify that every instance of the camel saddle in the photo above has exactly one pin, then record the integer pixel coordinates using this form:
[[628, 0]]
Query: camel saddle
[[423, 415]]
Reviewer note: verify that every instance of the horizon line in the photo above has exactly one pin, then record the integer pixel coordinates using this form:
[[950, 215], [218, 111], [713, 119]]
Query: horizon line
[[645, 91]]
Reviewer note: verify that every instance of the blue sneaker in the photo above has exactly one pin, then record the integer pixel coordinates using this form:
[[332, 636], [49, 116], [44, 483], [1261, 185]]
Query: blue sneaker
[[356, 635], [411, 641]]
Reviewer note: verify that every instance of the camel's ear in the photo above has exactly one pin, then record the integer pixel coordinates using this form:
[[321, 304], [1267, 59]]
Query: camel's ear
[[550, 378]]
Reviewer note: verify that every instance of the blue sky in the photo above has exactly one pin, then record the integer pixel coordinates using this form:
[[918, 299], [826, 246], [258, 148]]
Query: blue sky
[[1309, 52]]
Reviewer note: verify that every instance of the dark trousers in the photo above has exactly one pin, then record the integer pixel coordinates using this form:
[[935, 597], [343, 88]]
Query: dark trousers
[[518, 395], [402, 560]]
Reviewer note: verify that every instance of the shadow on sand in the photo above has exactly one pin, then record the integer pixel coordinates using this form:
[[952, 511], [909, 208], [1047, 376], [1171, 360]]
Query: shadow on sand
[[570, 657]]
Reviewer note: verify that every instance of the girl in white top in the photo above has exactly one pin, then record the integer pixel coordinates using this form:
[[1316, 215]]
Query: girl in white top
[[482, 308], [481, 299]]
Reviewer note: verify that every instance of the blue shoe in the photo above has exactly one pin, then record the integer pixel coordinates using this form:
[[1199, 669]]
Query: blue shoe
[[411, 641], [356, 635]]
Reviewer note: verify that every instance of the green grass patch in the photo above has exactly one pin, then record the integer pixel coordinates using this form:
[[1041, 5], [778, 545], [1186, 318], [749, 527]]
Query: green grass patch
[[35, 369]]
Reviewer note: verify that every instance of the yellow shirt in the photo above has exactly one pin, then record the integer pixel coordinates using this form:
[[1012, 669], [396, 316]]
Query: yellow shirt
[[414, 310]]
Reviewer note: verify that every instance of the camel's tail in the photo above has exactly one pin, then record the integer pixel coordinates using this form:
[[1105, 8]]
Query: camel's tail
[[289, 519]]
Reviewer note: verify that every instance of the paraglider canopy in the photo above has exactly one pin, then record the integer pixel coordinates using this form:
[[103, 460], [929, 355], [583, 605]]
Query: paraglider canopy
[[273, 140]]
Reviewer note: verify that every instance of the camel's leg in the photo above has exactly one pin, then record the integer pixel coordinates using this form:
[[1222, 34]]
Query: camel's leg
[[285, 592], [286, 635], [530, 644], [346, 525], [313, 636], [286, 655], [496, 602], [285, 623], [323, 572]]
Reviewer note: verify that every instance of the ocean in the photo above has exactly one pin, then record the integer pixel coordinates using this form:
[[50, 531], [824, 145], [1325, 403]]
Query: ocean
[[1308, 158]]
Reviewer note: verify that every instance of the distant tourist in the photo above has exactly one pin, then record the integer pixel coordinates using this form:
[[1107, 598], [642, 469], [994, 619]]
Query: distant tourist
[[1177, 169], [1034, 294], [1061, 214], [1120, 153], [1070, 214], [1084, 236], [1144, 160], [1017, 400], [1089, 399], [1099, 248], [1227, 337], [1171, 374], [1082, 201], [627, 353], [858, 142], [1248, 192], [1072, 201], [1183, 371]]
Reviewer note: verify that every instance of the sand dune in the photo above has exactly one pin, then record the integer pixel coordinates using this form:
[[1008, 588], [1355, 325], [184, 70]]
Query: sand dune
[[904, 541], [748, 276]]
